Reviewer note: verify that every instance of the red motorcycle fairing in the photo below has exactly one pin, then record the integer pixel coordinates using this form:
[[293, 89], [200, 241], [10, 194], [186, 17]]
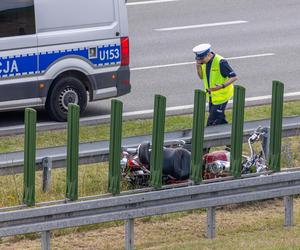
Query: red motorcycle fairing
[[221, 155]]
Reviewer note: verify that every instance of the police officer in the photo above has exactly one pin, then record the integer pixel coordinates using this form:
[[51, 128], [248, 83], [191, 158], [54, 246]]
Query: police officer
[[218, 78]]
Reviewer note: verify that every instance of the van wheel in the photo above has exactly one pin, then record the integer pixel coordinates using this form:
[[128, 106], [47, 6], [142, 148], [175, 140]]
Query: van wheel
[[66, 90]]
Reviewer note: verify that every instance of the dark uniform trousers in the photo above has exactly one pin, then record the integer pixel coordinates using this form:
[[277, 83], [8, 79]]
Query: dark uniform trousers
[[216, 114]]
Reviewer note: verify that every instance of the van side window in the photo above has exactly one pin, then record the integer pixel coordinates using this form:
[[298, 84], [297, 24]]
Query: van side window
[[16, 18]]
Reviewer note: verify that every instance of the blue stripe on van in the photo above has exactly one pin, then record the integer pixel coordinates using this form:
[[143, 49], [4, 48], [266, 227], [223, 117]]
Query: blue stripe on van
[[27, 64], [18, 65]]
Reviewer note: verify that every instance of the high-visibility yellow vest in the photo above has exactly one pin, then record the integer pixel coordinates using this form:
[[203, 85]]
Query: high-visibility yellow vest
[[215, 78]]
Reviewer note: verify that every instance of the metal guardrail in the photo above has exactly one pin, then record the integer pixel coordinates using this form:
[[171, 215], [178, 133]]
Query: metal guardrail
[[145, 114], [129, 207], [98, 151]]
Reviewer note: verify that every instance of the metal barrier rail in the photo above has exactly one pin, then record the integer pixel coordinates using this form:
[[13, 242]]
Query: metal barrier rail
[[128, 207], [94, 152]]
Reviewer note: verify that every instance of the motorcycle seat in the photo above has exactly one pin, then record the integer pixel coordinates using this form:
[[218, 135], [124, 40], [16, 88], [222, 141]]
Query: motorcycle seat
[[144, 153], [177, 163]]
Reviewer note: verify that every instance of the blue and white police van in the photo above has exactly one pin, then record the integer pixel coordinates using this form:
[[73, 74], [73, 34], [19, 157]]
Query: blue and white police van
[[56, 52]]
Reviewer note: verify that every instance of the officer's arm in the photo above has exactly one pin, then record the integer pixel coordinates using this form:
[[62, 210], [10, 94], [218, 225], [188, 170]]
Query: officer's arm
[[199, 70], [227, 71], [230, 81], [224, 85]]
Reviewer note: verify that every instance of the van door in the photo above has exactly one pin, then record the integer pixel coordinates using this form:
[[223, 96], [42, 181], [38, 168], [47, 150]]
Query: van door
[[18, 54]]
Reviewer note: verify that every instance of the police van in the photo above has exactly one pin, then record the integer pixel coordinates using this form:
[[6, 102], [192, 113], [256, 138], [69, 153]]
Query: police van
[[56, 52]]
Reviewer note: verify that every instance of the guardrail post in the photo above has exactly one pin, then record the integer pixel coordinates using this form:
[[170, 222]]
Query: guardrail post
[[288, 209], [47, 167], [211, 223], [45, 240], [115, 147], [198, 136], [72, 152], [158, 129], [129, 234], [276, 126], [265, 142], [237, 130], [29, 157]]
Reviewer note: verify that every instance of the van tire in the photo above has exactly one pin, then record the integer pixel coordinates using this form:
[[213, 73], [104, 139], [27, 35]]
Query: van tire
[[65, 90]]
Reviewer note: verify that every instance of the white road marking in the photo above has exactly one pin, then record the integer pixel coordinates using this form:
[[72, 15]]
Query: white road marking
[[201, 25], [188, 63], [150, 2], [266, 97], [250, 56], [161, 66]]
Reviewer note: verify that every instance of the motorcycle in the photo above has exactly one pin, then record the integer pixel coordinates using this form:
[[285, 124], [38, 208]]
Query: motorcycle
[[135, 162]]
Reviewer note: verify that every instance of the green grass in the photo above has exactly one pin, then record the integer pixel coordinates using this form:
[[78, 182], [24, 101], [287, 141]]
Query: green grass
[[93, 181]]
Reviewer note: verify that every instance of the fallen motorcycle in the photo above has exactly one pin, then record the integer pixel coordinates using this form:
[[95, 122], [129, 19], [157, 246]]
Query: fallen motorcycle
[[135, 162]]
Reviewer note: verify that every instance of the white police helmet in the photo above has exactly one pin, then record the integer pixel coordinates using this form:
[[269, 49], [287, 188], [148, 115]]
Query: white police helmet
[[201, 50]]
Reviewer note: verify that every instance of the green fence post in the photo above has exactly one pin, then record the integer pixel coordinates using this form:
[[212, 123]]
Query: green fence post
[[72, 152], [237, 131], [115, 147], [198, 136], [158, 130], [276, 126], [29, 157]]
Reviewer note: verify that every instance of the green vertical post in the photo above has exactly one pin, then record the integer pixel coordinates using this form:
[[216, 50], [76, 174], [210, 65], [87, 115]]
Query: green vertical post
[[115, 147], [276, 126], [237, 131], [72, 152], [29, 157], [158, 130], [198, 136]]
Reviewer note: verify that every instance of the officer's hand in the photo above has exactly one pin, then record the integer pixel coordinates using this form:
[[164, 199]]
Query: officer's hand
[[217, 87], [198, 62]]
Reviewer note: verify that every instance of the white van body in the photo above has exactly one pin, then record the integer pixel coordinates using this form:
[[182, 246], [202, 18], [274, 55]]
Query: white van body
[[55, 52]]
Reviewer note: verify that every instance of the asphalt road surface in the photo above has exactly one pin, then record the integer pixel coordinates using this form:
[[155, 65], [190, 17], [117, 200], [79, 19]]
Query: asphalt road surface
[[261, 40]]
